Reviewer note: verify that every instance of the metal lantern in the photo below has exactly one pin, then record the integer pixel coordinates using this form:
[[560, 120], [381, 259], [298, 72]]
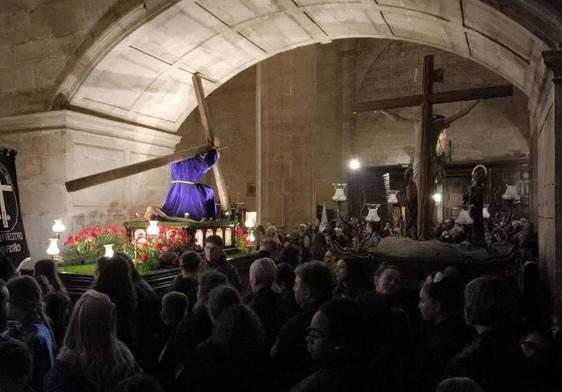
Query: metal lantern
[[464, 218], [373, 216], [340, 192], [511, 193]]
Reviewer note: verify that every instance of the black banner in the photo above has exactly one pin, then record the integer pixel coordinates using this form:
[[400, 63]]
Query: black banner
[[12, 234]]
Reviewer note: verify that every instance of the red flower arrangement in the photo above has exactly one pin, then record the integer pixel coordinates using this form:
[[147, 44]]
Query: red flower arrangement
[[88, 245], [242, 242], [162, 248]]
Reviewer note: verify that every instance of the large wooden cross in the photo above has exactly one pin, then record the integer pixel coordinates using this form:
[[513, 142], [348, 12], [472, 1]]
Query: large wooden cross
[[125, 171], [427, 99]]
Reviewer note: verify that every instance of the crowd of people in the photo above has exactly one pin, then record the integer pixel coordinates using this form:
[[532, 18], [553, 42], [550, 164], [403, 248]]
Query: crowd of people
[[308, 319]]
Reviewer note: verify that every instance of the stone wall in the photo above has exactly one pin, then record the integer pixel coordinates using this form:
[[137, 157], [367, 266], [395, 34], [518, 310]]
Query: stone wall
[[37, 40], [55, 147]]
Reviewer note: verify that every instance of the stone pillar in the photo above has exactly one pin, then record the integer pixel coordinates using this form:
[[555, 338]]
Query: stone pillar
[[54, 147], [548, 124]]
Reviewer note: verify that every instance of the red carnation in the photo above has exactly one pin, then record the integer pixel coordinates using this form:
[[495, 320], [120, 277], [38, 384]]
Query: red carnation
[[123, 232], [93, 248], [87, 232], [69, 241], [111, 229], [97, 231], [158, 246], [169, 242], [178, 244], [143, 258], [145, 245]]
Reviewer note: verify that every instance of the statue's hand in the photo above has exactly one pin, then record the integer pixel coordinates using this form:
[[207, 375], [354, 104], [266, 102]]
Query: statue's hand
[[216, 142]]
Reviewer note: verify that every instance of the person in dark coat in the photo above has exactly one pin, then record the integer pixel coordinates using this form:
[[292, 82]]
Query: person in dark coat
[[493, 359], [336, 340], [285, 279], [313, 285], [186, 281], [33, 329], [265, 299], [236, 347], [16, 366], [174, 309], [115, 281], [446, 333], [92, 358], [196, 327], [57, 302], [215, 260]]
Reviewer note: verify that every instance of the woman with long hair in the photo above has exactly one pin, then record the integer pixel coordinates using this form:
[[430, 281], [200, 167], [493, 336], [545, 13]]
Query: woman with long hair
[[55, 296], [351, 277], [115, 281], [33, 328], [45, 274], [92, 358]]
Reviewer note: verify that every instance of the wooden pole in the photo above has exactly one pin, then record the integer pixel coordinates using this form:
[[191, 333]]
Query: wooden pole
[[135, 168], [424, 182], [206, 122]]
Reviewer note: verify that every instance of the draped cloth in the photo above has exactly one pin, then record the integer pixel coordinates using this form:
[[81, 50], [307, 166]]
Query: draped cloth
[[185, 195]]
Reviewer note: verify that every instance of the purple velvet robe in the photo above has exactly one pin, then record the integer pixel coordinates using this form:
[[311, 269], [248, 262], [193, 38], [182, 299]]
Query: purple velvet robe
[[196, 199]]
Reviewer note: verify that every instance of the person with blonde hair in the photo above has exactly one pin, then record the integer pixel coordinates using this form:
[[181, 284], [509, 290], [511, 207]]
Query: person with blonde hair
[[92, 358]]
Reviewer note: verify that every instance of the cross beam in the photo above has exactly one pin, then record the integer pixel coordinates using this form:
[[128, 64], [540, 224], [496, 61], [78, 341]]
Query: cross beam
[[434, 98], [426, 136]]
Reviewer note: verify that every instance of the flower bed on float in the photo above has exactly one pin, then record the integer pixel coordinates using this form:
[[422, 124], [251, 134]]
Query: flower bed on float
[[150, 252]]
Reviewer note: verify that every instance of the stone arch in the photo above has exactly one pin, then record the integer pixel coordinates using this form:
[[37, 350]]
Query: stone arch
[[139, 69]]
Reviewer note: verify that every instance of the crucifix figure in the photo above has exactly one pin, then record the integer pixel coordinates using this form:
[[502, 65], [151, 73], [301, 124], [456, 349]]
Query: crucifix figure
[[428, 129], [4, 188]]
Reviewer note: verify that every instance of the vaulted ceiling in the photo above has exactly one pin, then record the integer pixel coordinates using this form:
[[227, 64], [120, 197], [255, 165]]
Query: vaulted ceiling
[[140, 68]]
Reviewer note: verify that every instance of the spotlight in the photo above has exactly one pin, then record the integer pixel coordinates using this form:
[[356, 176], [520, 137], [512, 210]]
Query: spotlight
[[354, 164]]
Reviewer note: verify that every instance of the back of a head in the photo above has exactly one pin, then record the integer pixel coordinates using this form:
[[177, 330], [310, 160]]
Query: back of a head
[[346, 323], [189, 261], [357, 274], [316, 277], [45, 270], [139, 383], [101, 263], [492, 302], [221, 298], [208, 281], [238, 331], [285, 276], [26, 294], [290, 255], [7, 269], [15, 361], [263, 272], [115, 281], [174, 306], [91, 333], [44, 267], [459, 384], [446, 291]]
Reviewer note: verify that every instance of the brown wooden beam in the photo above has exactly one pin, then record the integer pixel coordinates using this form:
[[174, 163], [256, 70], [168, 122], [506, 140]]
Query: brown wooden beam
[[135, 168], [390, 103], [206, 121], [471, 94], [434, 98]]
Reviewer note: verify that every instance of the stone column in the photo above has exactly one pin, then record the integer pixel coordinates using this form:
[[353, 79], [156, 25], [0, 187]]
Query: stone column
[[549, 161], [54, 147]]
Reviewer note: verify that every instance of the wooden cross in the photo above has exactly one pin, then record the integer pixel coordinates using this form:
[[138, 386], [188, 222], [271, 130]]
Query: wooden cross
[[129, 170], [427, 99]]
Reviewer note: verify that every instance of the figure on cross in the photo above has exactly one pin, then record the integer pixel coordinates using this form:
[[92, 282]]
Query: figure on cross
[[429, 130]]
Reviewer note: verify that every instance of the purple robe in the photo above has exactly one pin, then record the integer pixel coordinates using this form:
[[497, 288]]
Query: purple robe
[[196, 199]]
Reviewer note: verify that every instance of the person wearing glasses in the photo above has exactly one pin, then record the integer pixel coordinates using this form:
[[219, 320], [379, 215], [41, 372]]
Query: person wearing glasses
[[336, 341]]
